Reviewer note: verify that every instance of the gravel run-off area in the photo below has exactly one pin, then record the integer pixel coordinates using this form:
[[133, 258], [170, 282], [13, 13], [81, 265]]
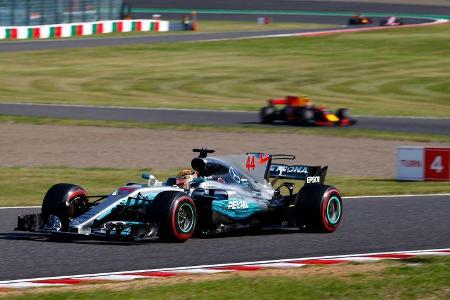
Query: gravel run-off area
[[25, 145]]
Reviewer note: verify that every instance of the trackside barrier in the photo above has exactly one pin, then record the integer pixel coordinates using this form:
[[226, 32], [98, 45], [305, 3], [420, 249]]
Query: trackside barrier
[[419, 163], [81, 29]]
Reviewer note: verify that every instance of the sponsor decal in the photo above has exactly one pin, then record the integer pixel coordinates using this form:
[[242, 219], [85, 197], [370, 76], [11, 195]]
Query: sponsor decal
[[235, 204], [235, 175], [286, 170], [263, 158], [313, 179], [124, 190]]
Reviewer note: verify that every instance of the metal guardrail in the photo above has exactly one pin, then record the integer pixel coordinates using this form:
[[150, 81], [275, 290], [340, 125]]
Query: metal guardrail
[[40, 12]]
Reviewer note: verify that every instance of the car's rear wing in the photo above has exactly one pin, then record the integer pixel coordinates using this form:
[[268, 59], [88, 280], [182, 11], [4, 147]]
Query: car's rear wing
[[310, 174]]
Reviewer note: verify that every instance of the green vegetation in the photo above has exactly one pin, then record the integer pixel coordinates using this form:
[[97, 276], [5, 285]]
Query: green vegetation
[[403, 71], [426, 278], [27, 186], [342, 132]]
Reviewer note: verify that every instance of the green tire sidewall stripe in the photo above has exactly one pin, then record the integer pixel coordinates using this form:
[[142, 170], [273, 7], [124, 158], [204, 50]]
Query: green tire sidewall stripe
[[336, 220]]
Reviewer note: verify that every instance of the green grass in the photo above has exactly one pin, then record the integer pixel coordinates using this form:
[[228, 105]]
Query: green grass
[[429, 279], [27, 186], [403, 71], [342, 132]]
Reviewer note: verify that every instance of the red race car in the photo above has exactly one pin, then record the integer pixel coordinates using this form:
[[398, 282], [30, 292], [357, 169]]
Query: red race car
[[301, 111]]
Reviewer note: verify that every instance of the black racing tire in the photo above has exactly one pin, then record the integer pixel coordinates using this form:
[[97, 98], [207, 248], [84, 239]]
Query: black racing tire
[[343, 113], [383, 22], [266, 115], [66, 201], [305, 116], [318, 208], [176, 214]]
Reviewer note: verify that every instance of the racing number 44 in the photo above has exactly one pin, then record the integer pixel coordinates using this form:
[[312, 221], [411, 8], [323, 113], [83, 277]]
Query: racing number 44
[[250, 165]]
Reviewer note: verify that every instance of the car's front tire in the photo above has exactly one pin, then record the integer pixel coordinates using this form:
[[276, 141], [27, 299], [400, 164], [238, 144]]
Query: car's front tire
[[318, 208], [63, 202], [342, 113], [176, 214]]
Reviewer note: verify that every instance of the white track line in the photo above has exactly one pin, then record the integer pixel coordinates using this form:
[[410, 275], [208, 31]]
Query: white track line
[[18, 207], [395, 196]]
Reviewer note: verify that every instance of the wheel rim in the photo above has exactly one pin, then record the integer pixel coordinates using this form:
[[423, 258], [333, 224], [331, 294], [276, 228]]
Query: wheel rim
[[334, 210], [185, 217]]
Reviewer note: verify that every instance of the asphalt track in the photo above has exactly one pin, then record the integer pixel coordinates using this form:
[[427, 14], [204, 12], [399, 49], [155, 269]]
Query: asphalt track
[[217, 118], [369, 225]]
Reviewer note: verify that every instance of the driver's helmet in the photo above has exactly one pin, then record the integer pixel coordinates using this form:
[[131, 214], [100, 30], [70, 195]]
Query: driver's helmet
[[304, 101], [185, 177]]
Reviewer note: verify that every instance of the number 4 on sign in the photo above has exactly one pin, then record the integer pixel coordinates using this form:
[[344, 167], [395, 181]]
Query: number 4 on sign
[[250, 163], [436, 165]]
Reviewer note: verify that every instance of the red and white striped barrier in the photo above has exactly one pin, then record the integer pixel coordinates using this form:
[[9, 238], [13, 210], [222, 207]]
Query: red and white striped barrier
[[81, 29], [212, 269]]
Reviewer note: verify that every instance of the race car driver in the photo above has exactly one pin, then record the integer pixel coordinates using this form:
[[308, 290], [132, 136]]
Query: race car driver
[[185, 178]]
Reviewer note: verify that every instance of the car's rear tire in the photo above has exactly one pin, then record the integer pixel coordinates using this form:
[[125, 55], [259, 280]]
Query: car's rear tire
[[343, 113], [266, 115], [176, 214], [64, 201], [318, 208]]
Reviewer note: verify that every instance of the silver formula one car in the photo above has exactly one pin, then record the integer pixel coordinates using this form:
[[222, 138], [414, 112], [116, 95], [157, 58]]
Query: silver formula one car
[[220, 194]]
